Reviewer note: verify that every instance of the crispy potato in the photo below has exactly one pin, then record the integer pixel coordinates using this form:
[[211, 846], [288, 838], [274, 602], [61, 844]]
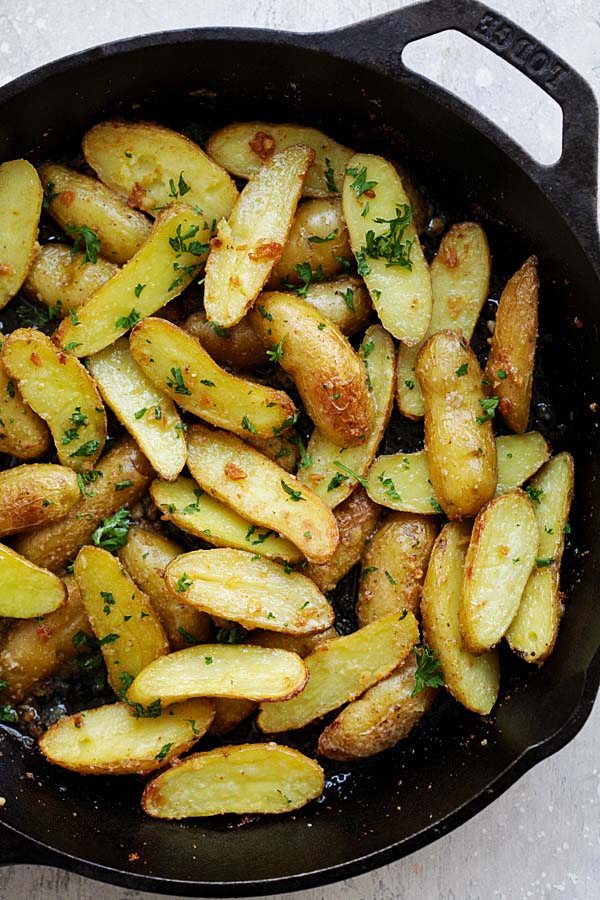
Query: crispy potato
[[257, 593], [384, 715], [344, 301], [22, 433], [394, 567], [250, 242], [512, 353], [78, 201], [123, 476], [329, 473], [27, 590], [389, 256], [318, 237], [122, 617], [343, 669], [33, 649], [178, 364], [150, 165], [186, 505], [282, 448], [159, 272], [460, 277], [333, 387], [252, 485], [146, 412], [20, 207], [459, 440], [532, 633], [64, 280], [146, 556], [243, 148], [35, 495], [501, 555], [59, 389], [229, 713], [472, 680], [108, 740], [244, 778], [356, 517], [220, 670], [302, 644], [239, 346]]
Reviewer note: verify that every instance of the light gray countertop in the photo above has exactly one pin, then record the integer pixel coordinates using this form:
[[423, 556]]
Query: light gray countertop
[[541, 839]]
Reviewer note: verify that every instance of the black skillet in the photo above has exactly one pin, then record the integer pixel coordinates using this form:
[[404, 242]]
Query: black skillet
[[352, 83]]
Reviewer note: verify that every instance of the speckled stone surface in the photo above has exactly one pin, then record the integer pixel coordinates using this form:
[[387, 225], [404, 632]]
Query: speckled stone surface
[[541, 839]]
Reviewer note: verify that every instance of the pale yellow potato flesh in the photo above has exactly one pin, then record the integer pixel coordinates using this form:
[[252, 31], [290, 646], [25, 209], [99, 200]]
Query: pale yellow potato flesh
[[519, 457], [257, 489], [146, 412], [22, 433], [109, 740], [121, 615], [79, 201], [159, 272], [394, 566], [220, 670], [333, 387], [385, 714], [59, 389], [243, 147], [343, 669], [20, 207], [401, 294], [250, 242], [318, 237], [63, 280], [177, 364], [35, 494], [533, 632], [500, 558], [145, 556], [460, 278], [328, 474], [256, 593], [243, 779], [459, 440], [190, 508], [27, 590], [302, 644], [472, 680], [229, 713]]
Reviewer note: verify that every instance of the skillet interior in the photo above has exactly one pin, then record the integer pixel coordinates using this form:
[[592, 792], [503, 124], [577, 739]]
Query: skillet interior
[[416, 792]]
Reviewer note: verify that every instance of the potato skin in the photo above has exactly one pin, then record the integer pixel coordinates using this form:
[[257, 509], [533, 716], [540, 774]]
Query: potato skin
[[329, 298], [35, 494], [461, 451], [57, 276], [241, 347], [314, 218]]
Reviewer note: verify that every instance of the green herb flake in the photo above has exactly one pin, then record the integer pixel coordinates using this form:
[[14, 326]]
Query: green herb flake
[[390, 487], [140, 412], [501, 374], [184, 583], [294, 495], [533, 493], [126, 322], [138, 289], [429, 670], [123, 485], [350, 472], [336, 481], [315, 239], [275, 354], [177, 383], [248, 426], [542, 561], [348, 298], [330, 178], [109, 601], [360, 185], [489, 406], [390, 578], [462, 370], [84, 237], [163, 751], [113, 531]]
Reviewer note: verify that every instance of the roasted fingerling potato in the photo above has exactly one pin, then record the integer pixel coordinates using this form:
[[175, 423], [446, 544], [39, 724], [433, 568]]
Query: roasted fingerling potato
[[22, 433], [318, 238], [28, 591], [20, 207], [34, 495], [63, 279], [239, 346]]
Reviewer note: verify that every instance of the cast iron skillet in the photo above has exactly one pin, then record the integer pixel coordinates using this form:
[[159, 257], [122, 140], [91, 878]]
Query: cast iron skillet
[[352, 82]]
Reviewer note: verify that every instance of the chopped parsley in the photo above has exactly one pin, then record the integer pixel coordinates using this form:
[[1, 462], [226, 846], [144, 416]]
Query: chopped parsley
[[140, 412], [123, 485], [232, 634], [390, 578], [336, 481], [435, 505], [127, 322], [112, 532], [315, 239], [49, 195], [489, 406], [85, 478], [366, 572], [350, 472], [184, 583], [248, 426], [329, 178], [348, 298], [390, 245], [294, 495], [87, 449], [429, 669], [109, 601], [84, 237], [8, 715], [306, 275], [390, 487], [360, 185], [163, 751], [543, 561], [138, 289], [152, 711], [177, 383], [409, 384], [275, 354], [533, 493], [462, 370], [501, 374], [77, 420]]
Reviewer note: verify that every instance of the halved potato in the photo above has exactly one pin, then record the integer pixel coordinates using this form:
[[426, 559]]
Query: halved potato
[[64, 280], [35, 495], [120, 479], [335, 471], [319, 238], [302, 644], [189, 507], [333, 387], [229, 713], [22, 433], [59, 389], [344, 668], [81, 205], [108, 740], [177, 363], [472, 680], [20, 207], [250, 242], [460, 277], [532, 633], [27, 590], [162, 268], [257, 593], [459, 440], [244, 779], [385, 243], [254, 487], [238, 346], [146, 556], [511, 360], [243, 147], [146, 412], [122, 617], [501, 555], [394, 567], [220, 670]]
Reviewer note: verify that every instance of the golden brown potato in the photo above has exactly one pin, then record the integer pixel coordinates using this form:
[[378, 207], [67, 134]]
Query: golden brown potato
[[302, 644], [28, 591], [229, 713], [459, 440], [239, 346], [512, 353], [20, 207], [22, 433], [344, 301], [34, 495], [319, 238], [64, 280], [282, 448]]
